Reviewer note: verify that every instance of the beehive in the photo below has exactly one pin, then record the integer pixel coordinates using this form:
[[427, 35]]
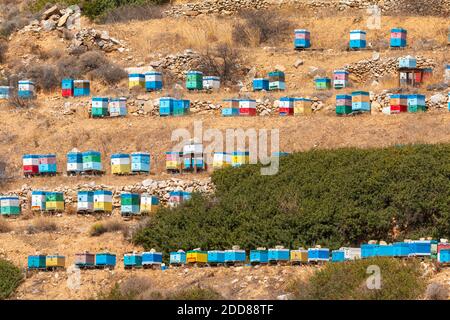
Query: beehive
[[416, 103], [84, 259], [197, 256], [120, 163], [360, 101], [178, 258], [153, 81], [259, 256], [447, 73], [99, 107], [117, 107], [129, 203], [260, 84], [211, 83], [55, 261], [173, 160], [398, 103], [149, 203], [247, 107], [92, 161], [102, 201], [186, 195], [286, 106], [407, 62], [337, 256], [151, 258], [166, 105], [85, 201], [26, 89], [280, 154], [30, 164], [216, 256], [235, 256], [277, 80], [4, 92], [10, 205], [318, 254], [239, 158], [81, 88], [74, 162], [136, 80], [340, 79], [278, 255], [194, 80], [232, 109], [398, 38], [38, 200], [343, 104], [54, 201], [193, 156], [67, 88], [221, 160], [448, 104], [299, 256], [47, 164], [302, 106], [181, 107], [132, 260], [322, 83], [140, 162], [36, 261], [427, 75], [302, 39], [175, 198], [105, 259], [357, 39]]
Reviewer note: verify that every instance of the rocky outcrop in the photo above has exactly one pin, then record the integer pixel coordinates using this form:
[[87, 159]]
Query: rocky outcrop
[[219, 7], [88, 39]]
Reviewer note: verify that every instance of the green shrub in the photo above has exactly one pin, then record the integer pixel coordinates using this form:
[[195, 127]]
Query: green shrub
[[10, 278], [99, 228], [400, 280], [195, 293], [327, 197]]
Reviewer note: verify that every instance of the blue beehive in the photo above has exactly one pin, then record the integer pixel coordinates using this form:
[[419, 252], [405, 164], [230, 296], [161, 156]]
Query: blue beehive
[[401, 249], [129, 203], [302, 39], [166, 106], [178, 258], [407, 62], [36, 262], [235, 255], [216, 257], [153, 81], [444, 256], [385, 250], [181, 107], [360, 101], [398, 38], [67, 84], [74, 161], [318, 254], [140, 162], [47, 163], [151, 258], [421, 248], [232, 109], [4, 92], [259, 256], [278, 255], [132, 260], [260, 84], [369, 250], [26, 89], [338, 256], [357, 39], [105, 259], [81, 88], [449, 101]]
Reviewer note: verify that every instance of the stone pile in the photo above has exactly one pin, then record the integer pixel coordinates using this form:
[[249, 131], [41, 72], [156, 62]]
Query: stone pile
[[88, 39], [178, 64], [218, 7], [56, 19], [160, 188]]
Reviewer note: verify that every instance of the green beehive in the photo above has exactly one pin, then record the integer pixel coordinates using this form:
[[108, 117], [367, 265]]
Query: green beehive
[[130, 199], [92, 157], [194, 80], [343, 109]]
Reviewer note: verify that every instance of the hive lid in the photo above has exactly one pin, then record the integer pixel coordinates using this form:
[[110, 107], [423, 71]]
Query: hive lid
[[422, 239], [443, 240], [372, 242], [236, 247], [383, 243], [180, 251], [279, 247], [261, 248], [318, 246], [197, 249]]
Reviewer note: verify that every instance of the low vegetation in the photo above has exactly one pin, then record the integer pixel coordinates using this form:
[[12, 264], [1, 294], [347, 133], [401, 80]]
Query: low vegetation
[[10, 278], [328, 197], [142, 288], [399, 280], [100, 228], [42, 225], [4, 226]]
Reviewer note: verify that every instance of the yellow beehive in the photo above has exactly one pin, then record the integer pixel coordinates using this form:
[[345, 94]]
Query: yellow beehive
[[54, 205], [136, 80], [173, 165], [55, 261], [240, 158], [302, 106], [103, 206], [121, 169], [300, 256], [221, 160], [196, 257]]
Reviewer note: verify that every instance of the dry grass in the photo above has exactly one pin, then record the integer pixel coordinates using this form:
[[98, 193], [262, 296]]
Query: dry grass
[[100, 228], [42, 224], [4, 225]]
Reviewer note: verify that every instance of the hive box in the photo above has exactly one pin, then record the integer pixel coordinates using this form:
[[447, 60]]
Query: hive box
[[132, 260], [166, 105], [232, 109], [99, 107], [153, 81], [178, 257], [259, 256], [103, 200], [67, 88], [136, 80], [407, 62], [357, 39], [216, 256], [286, 106], [151, 258], [302, 39], [211, 83], [149, 203], [260, 84], [299, 256], [74, 162], [85, 259], [10, 205], [302, 106], [140, 162], [398, 38], [105, 259], [235, 256], [278, 255], [85, 201], [318, 254], [247, 107], [120, 163], [81, 88], [194, 80], [4, 92], [26, 89], [117, 107]]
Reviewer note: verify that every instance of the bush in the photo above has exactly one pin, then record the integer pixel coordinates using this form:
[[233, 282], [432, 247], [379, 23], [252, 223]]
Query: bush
[[195, 293], [329, 197], [400, 280], [110, 73], [4, 226], [3, 50], [133, 12], [261, 26], [223, 61], [10, 278], [42, 225], [97, 8], [44, 76], [100, 228]]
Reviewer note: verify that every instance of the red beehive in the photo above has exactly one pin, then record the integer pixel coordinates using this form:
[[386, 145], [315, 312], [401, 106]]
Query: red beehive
[[67, 92]]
